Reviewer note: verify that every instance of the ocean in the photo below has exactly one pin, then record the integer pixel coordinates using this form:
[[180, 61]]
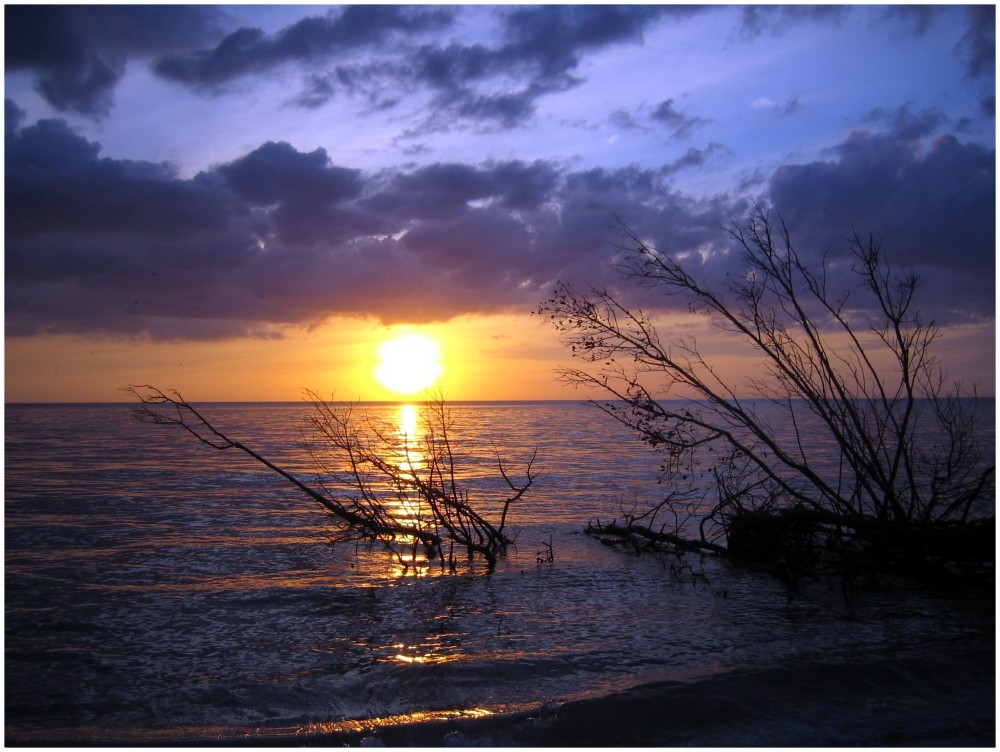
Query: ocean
[[161, 592]]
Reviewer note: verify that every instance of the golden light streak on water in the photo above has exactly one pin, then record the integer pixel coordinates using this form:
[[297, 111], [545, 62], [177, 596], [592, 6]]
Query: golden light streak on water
[[409, 426], [371, 724]]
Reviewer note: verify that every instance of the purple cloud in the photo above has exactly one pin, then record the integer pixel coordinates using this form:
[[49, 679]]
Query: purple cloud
[[79, 53], [283, 237]]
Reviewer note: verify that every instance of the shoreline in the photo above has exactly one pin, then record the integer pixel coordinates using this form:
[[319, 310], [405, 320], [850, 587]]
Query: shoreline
[[948, 701]]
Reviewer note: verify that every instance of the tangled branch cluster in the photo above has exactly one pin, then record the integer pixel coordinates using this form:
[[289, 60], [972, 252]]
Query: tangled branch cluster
[[907, 445], [376, 485]]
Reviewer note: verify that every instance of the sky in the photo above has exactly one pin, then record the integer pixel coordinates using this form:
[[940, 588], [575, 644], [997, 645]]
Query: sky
[[243, 202]]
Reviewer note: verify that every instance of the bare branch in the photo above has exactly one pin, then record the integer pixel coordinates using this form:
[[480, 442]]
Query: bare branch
[[908, 454], [376, 486]]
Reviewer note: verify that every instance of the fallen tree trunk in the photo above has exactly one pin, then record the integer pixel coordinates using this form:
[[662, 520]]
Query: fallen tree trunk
[[615, 534], [802, 544]]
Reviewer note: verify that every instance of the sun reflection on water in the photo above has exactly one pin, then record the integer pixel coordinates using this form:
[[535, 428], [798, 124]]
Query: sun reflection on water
[[409, 443], [370, 724], [408, 564], [408, 424], [429, 652], [408, 507]]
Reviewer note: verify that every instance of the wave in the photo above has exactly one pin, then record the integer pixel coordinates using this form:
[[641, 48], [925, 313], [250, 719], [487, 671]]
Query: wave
[[942, 700], [157, 595]]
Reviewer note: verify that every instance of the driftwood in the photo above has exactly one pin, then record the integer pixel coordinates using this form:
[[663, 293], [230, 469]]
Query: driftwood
[[615, 534], [803, 544]]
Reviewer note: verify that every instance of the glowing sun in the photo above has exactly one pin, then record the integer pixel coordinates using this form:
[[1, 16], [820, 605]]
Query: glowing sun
[[408, 363]]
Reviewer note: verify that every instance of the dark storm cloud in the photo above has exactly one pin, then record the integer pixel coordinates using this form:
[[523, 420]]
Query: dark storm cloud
[[296, 196], [280, 236], [932, 201], [79, 53], [445, 191], [276, 173], [284, 237], [56, 183]]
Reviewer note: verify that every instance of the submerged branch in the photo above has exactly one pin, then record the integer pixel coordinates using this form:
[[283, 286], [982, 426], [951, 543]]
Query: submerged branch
[[398, 503]]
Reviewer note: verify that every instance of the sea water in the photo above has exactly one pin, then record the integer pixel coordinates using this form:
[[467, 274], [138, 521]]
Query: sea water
[[160, 591]]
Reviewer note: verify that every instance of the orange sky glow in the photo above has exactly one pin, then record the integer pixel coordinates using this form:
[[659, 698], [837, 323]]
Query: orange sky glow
[[510, 357]]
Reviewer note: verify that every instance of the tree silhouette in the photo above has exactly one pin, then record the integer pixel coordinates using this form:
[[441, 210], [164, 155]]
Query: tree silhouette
[[911, 490], [377, 485]]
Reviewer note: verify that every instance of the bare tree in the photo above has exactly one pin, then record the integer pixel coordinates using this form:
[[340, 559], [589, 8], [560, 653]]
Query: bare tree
[[910, 468], [377, 484]]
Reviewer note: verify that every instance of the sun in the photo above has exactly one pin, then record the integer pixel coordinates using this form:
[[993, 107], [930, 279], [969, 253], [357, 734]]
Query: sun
[[409, 363]]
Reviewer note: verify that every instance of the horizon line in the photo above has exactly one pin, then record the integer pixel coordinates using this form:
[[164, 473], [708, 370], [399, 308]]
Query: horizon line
[[582, 400]]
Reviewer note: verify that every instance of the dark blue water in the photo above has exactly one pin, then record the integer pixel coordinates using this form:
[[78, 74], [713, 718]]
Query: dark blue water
[[160, 592]]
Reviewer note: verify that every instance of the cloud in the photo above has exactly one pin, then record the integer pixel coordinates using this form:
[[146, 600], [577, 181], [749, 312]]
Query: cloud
[[446, 191], [12, 117], [491, 86], [905, 124], [314, 39], [280, 237], [382, 54], [624, 119], [775, 20], [503, 111], [539, 53], [295, 195], [917, 19], [680, 125], [978, 46], [79, 53], [459, 75], [931, 200], [276, 173], [791, 106], [695, 158], [552, 38], [317, 92]]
